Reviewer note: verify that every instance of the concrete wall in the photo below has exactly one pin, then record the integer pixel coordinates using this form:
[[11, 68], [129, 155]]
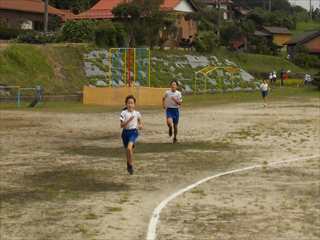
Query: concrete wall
[[116, 96]]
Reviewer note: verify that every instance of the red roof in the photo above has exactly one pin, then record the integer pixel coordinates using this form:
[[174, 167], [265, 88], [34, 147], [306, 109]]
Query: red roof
[[103, 9], [34, 6]]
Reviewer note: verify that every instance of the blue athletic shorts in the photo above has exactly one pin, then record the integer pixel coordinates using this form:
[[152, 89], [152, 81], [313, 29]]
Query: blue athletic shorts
[[264, 93], [174, 114], [129, 136]]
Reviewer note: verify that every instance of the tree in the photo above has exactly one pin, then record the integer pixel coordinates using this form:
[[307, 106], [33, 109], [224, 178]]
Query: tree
[[143, 20], [75, 6]]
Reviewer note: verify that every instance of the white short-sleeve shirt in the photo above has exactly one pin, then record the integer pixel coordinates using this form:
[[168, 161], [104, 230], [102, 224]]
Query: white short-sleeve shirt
[[169, 103], [126, 115], [264, 87]]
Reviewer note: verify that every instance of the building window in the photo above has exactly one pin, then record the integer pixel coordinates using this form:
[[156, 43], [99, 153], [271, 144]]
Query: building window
[[27, 25]]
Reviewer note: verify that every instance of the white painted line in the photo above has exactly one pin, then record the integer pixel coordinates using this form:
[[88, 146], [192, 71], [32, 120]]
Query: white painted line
[[152, 228]]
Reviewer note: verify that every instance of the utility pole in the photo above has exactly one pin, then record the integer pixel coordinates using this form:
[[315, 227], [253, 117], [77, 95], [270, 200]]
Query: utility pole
[[219, 18], [310, 7], [46, 15], [270, 5]]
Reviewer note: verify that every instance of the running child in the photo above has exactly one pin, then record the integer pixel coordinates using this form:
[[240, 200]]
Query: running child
[[172, 101], [130, 122], [264, 88]]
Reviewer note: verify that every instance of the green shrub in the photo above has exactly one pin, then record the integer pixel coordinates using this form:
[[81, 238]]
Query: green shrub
[[108, 34], [302, 58], [36, 38], [78, 31], [9, 33], [316, 80], [206, 41]]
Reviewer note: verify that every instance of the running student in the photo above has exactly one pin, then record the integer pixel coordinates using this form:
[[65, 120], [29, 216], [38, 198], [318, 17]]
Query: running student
[[172, 101], [130, 122], [264, 88]]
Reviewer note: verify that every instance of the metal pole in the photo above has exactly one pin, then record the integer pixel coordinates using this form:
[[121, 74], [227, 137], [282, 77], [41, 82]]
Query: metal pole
[[18, 97], [310, 7], [46, 15], [149, 67], [270, 5], [219, 18]]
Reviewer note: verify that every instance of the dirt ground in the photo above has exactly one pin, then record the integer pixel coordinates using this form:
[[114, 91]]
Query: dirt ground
[[63, 175]]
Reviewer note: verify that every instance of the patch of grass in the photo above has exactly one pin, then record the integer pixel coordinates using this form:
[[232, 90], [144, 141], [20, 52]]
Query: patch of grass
[[114, 209], [57, 68], [91, 216], [62, 185], [145, 148], [190, 101], [306, 27], [199, 191]]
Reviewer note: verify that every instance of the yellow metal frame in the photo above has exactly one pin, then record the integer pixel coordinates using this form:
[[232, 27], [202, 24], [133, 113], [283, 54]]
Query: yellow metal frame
[[211, 68], [125, 72]]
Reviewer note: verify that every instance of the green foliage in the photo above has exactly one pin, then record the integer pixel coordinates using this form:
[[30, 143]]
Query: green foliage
[[304, 59], [142, 20], [229, 32], [282, 5], [274, 18], [9, 33], [36, 38], [108, 34], [73, 5], [316, 80], [78, 31], [206, 41]]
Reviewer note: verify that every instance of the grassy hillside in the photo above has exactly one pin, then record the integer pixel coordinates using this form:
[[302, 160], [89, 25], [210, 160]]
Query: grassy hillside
[[57, 68], [60, 68], [306, 27]]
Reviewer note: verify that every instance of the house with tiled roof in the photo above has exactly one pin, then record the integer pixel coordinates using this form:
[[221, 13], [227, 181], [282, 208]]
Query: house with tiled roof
[[278, 35], [25, 14], [310, 40], [103, 8], [187, 28]]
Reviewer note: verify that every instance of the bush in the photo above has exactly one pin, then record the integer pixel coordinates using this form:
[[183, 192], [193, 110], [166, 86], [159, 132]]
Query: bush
[[108, 34], [78, 31], [316, 80], [9, 33], [36, 38], [206, 41], [306, 60]]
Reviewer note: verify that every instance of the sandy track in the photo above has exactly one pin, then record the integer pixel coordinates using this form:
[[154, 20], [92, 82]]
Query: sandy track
[[63, 175]]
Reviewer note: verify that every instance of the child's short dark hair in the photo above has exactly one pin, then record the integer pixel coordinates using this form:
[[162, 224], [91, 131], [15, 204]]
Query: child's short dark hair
[[130, 97], [174, 81]]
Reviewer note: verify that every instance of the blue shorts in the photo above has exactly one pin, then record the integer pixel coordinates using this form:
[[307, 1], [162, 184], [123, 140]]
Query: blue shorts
[[264, 93], [174, 114], [129, 136]]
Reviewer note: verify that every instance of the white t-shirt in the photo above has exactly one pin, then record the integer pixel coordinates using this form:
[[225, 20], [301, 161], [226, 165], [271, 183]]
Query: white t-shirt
[[126, 115], [169, 103], [264, 87]]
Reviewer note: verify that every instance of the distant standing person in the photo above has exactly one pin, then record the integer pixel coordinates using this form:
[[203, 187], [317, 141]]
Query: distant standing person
[[307, 79], [271, 77], [282, 76], [264, 88], [274, 77], [171, 102]]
